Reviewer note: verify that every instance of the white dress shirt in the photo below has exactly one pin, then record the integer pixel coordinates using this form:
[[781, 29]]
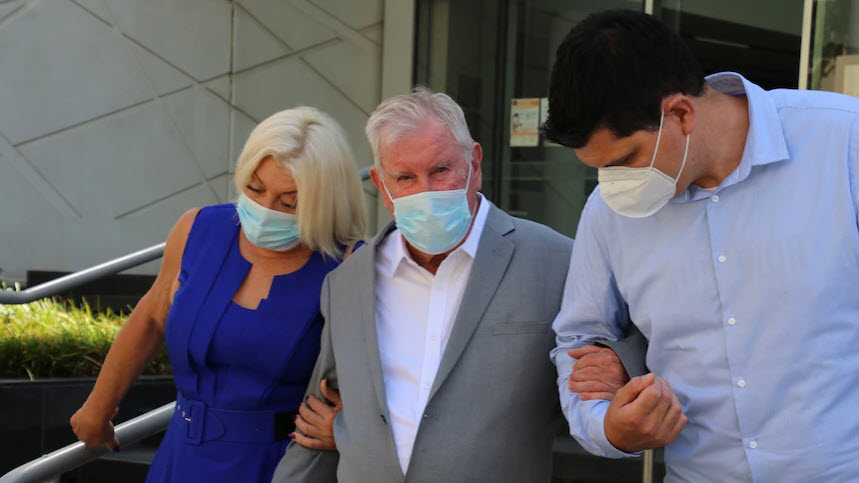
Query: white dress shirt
[[415, 312]]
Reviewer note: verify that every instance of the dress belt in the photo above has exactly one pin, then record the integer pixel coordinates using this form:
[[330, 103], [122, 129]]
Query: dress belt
[[203, 423]]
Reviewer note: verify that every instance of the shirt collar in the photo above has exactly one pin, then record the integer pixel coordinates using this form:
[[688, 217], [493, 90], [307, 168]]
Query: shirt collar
[[765, 142], [401, 254]]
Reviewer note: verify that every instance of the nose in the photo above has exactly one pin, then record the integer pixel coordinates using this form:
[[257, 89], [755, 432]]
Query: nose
[[425, 184], [269, 202]]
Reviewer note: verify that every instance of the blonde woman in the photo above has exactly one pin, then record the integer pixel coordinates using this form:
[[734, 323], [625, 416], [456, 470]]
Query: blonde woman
[[237, 302]]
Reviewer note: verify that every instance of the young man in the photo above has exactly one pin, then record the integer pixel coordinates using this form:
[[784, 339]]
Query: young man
[[724, 228]]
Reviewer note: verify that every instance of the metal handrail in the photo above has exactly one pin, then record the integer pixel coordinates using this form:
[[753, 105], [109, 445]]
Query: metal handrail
[[364, 173], [48, 466], [73, 280]]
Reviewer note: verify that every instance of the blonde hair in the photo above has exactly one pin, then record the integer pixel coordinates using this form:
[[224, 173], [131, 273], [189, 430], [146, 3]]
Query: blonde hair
[[312, 146], [407, 113]]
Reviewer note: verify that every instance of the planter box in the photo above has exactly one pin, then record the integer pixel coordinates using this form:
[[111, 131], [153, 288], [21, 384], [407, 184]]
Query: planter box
[[34, 415]]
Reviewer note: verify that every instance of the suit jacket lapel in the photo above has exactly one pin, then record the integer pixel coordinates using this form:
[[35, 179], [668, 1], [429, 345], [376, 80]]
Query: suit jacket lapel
[[490, 263], [366, 298]]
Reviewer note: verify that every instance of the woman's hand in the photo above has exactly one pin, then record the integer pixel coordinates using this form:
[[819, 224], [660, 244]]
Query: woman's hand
[[94, 431], [316, 420]]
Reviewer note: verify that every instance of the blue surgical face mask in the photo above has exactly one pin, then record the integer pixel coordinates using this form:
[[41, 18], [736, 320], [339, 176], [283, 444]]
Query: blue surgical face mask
[[433, 221], [265, 228]]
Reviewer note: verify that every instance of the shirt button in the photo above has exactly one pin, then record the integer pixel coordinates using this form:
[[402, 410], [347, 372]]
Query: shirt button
[[741, 383], [722, 258], [715, 199], [732, 321], [753, 444], [427, 387]]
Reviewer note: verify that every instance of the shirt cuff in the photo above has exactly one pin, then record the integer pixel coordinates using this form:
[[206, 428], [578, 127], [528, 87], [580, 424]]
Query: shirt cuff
[[597, 432]]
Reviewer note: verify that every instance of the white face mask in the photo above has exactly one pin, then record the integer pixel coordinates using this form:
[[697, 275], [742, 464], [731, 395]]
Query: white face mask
[[639, 192]]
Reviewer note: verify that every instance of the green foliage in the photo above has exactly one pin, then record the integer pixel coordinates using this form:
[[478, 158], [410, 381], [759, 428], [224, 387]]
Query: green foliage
[[53, 338]]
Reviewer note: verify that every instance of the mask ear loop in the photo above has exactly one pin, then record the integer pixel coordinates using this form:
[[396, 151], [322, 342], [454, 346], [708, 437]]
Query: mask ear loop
[[386, 186], [656, 149], [658, 138], [468, 179], [467, 182], [683, 164]]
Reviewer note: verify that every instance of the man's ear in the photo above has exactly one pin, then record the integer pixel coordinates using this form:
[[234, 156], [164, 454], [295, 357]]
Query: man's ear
[[683, 109], [376, 177], [476, 155], [476, 163]]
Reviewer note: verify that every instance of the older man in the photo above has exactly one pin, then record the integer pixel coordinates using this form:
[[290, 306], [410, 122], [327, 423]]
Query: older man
[[437, 331]]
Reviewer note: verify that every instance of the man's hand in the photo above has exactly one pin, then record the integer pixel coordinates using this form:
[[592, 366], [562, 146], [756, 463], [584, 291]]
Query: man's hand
[[316, 420], [597, 374], [644, 414]]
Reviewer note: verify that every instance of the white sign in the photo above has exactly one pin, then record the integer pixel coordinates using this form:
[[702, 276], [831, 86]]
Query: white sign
[[525, 122]]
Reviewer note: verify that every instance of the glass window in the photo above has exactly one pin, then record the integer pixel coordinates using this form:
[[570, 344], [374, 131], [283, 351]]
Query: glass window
[[761, 40], [834, 62], [488, 53]]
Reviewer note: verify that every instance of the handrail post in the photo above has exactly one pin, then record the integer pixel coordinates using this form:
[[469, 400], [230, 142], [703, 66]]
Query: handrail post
[[647, 466]]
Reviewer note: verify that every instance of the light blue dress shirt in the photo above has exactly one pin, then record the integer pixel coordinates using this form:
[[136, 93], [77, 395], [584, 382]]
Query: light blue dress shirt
[[748, 296]]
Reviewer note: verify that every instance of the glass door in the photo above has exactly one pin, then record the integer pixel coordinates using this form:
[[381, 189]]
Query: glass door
[[494, 57], [539, 180], [834, 60], [760, 40]]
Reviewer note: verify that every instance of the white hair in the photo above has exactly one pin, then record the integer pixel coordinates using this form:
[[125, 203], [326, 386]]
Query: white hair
[[407, 113], [312, 146]]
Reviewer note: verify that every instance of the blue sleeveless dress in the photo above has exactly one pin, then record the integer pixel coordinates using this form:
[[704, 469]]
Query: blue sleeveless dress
[[238, 372]]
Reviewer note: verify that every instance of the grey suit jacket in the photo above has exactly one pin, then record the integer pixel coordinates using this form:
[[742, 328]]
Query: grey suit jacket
[[493, 410]]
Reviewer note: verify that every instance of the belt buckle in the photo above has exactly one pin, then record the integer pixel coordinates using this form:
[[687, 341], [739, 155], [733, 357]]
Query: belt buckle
[[195, 415]]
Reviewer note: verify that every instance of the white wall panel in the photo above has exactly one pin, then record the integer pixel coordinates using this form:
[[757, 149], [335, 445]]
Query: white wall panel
[[254, 43], [61, 66], [220, 86], [357, 14], [159, 74], [126, 113], [342, 63], [104, 170], [297, 29], [203, 121], [193, 35], [300, 86]]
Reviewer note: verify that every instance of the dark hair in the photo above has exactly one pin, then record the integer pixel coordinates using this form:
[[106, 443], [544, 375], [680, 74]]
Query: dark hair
[[613, 70]]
